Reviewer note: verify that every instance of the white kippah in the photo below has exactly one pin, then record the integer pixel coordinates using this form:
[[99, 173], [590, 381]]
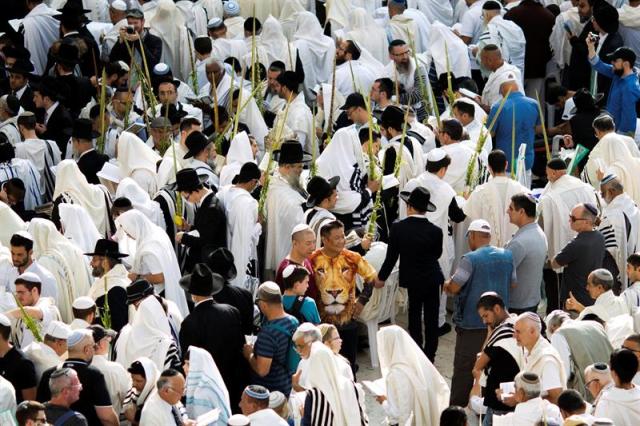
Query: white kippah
[[436, 154], [123, 65], [214, 23], [231, 8], [25, 234], [161, 69], [238, 420], [269, 287], [4, 320], [300, 227], [83, 302], [288, 271], [119, 5], [276, 399], [58, 330], [77, 335], [30, 277]]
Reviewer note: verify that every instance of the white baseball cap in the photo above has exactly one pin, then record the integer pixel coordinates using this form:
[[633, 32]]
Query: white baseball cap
[[479, 225]]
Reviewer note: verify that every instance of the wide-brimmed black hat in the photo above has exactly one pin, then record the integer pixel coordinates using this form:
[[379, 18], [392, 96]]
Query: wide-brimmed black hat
[[174, 114], [21, 66], [107, 248], [392, 115], [419, 199], [67, 54], [70, 9], [221, 261], [188, 180], [248, 172], [584, 101], [202, 282], [138, 290], [291, 152], [82, 129], [195, 142], [319, 188]]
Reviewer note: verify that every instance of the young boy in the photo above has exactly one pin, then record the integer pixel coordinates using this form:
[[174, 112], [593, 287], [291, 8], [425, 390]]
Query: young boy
[[632, 294], [296, 282]]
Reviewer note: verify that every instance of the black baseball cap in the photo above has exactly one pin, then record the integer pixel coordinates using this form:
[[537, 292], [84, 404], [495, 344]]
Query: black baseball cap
[[354, 100], [623, 53]]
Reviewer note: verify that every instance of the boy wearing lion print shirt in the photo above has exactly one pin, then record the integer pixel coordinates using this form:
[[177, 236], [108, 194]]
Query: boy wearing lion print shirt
[[335, 269]]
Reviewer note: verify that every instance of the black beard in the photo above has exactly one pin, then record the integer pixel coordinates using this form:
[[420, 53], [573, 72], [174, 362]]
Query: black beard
[[618, 72], [340, 61], [97, 272]]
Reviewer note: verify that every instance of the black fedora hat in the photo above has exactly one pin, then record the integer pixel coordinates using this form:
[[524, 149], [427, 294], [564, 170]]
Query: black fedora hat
[[107, 248], [188, 180], [138, 290], [82, 129], [196, 142], [248, 172], [221, 262], [583, 101], [22, 66], [319, 188], [202, 282], [419, 198], [67, 54], [291, 152], [71, 8]]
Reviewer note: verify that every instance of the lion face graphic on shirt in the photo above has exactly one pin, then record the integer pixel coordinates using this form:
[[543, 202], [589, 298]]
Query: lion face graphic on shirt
[[335, 279]]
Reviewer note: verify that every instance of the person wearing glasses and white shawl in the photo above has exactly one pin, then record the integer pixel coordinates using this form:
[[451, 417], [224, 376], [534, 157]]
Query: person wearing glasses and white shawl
[[205, 388], [155, 259]]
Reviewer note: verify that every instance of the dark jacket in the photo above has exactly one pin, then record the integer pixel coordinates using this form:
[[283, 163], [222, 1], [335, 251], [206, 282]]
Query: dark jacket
[[579, 72], [152, 50], [118, 308], [26, 100], [210, 221], [90, 164], [418, 243], [78, 93], [536, 23], [241, 299], [58, 127]]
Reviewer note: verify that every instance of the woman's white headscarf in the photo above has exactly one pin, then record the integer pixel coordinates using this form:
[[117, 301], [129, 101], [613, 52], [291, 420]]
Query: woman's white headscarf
[[397, 350], [205, 388], [151, 240], [94, 198], [364, 31], [277, 46], [339, 391], [149, 335], [78, 227], [151, 375], [140, 200], [11, 223], [239, 153], [316, 50], [64, 260]]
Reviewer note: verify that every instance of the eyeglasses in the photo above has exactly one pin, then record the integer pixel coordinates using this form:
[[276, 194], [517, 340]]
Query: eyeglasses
[[575, 219], [405, 53], [586, 385], [179, 392], [629, 349]]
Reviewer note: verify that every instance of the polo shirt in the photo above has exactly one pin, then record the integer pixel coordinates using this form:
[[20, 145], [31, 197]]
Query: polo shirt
[[526, 119], [18, 370], [308, 310], [94, 391]]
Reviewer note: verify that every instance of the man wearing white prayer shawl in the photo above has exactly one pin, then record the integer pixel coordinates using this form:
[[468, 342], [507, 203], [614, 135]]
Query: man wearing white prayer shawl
[[250, 115], [632, 294], [444, 42], [205, 388], [540, 357], [531, 409], [276, 45], [621, 403], [72, 187], [490, 200], [41, 310], [148, 335], [460, 154], [560, 195], [64, 260], [168, 166], [243, 227], [366, 33], [217, 73], [118, 17], [501, 71], [162, 72], [299, 118], [194, 16], [629, 18], [414, 388], [613, 154], [145, 375], [284, 202], [315, 49], [607, 305], [155, 259], [50, 352], [331, 398], [40, 29], [472, 116], [351, 75], [323, 99], [288, 15], [11, 223], [437, 11], [240, 152], [407, 23], [201, 158], [129, 189], [620, 225], [44, 154], [19, 168], [168, 23], [78, 227]]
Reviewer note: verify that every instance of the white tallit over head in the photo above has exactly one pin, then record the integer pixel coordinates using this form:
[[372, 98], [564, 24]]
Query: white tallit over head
[[151, 240], [339, 391], [316, 50], [398, 351], [78, 227], [205, 388], [239, 153], [134, 154], [437, 11], [140, 200], [273, 40], [168, 23], [149, 335], [364, 31], [458, 53], [338, 12], [151, 374], [287, 17], [11, 223], [338, 101], [64, 260], [71, 181]]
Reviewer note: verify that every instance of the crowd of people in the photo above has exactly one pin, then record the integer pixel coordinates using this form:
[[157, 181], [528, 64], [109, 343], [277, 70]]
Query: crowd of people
[[208, 208]]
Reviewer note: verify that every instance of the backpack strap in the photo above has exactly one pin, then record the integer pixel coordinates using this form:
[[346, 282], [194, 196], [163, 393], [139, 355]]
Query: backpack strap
[[66, 416], [296, 308]]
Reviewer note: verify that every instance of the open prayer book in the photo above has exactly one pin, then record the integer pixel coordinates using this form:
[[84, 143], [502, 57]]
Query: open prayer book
[[208, 417], [376, 387]]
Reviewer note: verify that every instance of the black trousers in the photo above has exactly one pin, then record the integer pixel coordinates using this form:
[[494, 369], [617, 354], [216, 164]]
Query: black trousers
[[468, 344], [424, 305], [349, 335], [552, 289]]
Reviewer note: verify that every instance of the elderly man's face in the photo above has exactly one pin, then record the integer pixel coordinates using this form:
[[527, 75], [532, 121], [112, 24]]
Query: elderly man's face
[[214, 72], [525, 334], [303, 348]]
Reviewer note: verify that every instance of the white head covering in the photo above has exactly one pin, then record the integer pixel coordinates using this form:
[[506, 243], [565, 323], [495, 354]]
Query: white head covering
[[71, 181], [276, 44], [169, 24], [364, 31], [338, 12], [134, 154], [140, 200], [78, 226], [151, 375], [288, 12], [239, 153], [339, 391], [151, 240], [317, 50], [205, 388], [149, 335], [458, 53], [11, 223], [397, 350]]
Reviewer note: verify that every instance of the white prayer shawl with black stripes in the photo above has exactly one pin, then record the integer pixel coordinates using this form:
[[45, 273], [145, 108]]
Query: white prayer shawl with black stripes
[[321, 414], [25, 171], [44, 154], [503, 337]]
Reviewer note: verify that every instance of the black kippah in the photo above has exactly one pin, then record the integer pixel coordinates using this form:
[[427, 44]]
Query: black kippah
[[557, 164]]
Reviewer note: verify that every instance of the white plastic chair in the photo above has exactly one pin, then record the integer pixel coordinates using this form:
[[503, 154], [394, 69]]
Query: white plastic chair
[[382, 304]]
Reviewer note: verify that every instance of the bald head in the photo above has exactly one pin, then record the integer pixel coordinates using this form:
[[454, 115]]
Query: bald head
[[510, 86]]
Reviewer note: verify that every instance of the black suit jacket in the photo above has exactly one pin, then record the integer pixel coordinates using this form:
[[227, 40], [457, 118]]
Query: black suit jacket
[[418, 243], [241, 299], [78, 92], [90, 164], [58, 128], [579, 68], [26, 100], [152, 50], [210, 221]]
